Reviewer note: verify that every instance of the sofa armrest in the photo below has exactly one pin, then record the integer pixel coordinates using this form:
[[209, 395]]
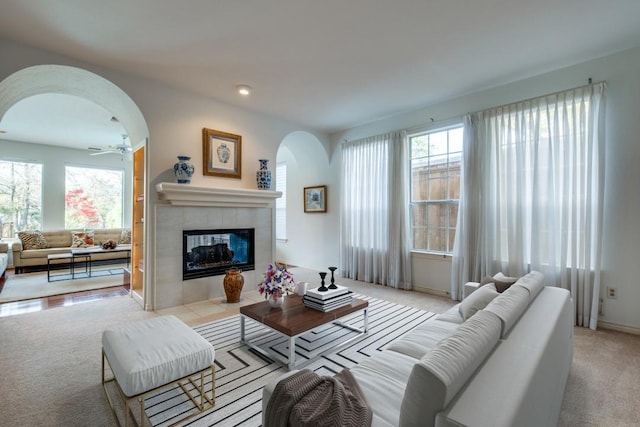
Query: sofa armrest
[[16, 246], [4, 247], [468, 289]]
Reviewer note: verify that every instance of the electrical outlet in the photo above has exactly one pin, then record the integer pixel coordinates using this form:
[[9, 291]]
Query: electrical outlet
[[612, 293]]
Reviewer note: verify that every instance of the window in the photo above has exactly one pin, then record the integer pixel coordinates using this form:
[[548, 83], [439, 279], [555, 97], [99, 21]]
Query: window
[[93, 198], [20, 197], [436, 157], [281, 202]]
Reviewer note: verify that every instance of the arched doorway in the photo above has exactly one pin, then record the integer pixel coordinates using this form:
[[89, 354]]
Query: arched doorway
[[311, 238], [76, 82]]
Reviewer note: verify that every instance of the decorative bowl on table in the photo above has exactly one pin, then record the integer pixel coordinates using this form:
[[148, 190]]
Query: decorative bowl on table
[[109, 244]]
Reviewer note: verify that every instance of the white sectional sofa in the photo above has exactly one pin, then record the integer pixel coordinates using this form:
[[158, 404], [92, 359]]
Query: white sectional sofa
[[505, 364]]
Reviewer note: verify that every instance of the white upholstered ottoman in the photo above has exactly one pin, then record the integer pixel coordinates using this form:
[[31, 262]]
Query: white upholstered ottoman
[[147, 355]]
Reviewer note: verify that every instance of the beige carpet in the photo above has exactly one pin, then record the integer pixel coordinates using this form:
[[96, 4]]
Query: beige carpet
[[50, 364], [19, 287]]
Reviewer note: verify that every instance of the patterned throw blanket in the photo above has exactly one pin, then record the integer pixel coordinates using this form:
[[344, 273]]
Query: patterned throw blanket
[[307, 399]]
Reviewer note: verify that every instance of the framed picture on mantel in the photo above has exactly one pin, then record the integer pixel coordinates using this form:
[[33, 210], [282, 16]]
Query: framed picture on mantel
[[222, 153], [315, 199]]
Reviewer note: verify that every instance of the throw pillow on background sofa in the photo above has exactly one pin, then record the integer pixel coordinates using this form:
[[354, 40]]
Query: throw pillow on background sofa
[[125, 237], [82, 239], [32, 240]]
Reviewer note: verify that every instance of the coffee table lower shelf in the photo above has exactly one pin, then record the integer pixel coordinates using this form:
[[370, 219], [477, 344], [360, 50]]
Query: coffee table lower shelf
[[294, 320], [73, 260]]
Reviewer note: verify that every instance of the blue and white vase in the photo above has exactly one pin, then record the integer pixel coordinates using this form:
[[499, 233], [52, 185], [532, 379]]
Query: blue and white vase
[[263, 175], [184, 170]]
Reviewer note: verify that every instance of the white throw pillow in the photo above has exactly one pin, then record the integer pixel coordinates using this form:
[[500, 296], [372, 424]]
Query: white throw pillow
[[502, 277], [477, 300]]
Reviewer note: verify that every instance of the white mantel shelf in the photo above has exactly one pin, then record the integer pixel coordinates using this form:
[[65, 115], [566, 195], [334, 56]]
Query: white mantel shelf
[[189, 195]]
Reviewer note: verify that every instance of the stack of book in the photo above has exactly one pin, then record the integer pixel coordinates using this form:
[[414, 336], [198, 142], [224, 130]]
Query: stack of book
[[327, 300]]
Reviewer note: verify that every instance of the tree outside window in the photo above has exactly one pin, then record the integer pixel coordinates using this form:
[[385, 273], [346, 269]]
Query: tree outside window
[[93, 198], [20, 197]]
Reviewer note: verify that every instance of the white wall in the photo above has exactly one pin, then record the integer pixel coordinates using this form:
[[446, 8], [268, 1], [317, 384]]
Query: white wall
[[175, 119], [54, 160], [621, 242]]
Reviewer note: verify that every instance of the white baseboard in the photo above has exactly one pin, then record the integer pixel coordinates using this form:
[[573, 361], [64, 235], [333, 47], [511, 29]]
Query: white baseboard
[[432, 291], [137, 298], [620, 328]]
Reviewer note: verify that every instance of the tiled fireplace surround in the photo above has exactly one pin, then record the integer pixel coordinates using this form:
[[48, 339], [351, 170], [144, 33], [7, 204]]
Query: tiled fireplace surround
[[190, 208]]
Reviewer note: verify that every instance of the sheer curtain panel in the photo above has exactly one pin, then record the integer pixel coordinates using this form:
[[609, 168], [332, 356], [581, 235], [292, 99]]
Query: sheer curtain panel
[[375, 238], [532, 195]]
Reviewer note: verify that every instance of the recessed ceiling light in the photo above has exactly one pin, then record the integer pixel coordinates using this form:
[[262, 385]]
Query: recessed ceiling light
[[244, 90]]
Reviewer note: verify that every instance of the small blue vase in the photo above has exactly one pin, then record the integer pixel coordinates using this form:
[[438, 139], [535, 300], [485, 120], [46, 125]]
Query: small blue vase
[[263, 175], [184, 170]]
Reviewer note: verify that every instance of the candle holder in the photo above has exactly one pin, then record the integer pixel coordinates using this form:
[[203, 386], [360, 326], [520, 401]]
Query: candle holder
[[333, 282], [322, 287]]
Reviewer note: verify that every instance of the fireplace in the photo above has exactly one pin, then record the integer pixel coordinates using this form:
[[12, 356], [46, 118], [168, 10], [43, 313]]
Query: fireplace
[[213, 252]]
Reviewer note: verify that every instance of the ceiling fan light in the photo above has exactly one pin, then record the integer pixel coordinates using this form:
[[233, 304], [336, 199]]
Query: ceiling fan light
[[244, 90]]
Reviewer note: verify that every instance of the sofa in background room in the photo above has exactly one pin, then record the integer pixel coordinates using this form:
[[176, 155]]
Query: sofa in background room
[[32, 247]]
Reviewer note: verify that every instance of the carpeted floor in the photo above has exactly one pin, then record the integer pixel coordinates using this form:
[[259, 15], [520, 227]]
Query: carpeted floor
[[18, 287], [50, 365]]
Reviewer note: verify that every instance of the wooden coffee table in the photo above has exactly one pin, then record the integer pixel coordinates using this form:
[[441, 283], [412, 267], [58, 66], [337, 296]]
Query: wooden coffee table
[[294, 319]]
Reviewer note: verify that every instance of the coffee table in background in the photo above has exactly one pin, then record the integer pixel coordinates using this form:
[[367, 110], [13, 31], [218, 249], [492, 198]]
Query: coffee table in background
[[83, 256], [73, 260], [294, 319]]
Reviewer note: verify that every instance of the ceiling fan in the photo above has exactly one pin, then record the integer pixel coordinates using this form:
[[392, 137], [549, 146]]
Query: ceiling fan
[[121, 149]]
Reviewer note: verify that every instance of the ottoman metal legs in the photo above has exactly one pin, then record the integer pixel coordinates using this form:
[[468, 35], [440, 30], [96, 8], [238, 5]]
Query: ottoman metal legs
[[202, 400]]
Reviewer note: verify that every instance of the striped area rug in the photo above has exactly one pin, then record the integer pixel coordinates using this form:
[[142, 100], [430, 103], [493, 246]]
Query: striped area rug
[[241, 372]]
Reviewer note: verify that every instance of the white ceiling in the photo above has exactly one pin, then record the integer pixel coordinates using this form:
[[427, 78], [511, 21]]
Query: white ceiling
[[329, 65], [63, 120]]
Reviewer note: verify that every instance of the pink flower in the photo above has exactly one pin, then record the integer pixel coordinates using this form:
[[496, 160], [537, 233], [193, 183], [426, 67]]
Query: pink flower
[[277, 282]]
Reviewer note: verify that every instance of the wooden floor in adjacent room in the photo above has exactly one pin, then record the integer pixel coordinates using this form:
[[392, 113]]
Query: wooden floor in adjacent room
[[40, 304]]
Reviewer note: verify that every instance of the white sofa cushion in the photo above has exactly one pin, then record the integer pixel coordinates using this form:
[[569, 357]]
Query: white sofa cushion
[[509, 306], [417, 342], [451, 315], [534, 282], [477, 301], [382, 378], [443, 371]]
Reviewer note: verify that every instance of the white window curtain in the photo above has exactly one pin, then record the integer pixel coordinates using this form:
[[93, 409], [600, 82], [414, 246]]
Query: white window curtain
[[375, 227], [532, 195]]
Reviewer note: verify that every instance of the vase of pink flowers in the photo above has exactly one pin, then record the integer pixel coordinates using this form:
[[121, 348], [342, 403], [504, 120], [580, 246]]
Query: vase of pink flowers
[[277, 283]]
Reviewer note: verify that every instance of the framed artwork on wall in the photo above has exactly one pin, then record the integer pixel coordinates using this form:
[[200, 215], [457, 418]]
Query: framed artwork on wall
[[315, 199], [222, 153]]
